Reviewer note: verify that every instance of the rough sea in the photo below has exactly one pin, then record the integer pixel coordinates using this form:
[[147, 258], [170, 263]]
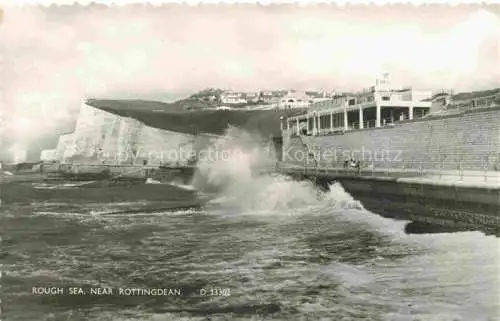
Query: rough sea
[[264, 248]]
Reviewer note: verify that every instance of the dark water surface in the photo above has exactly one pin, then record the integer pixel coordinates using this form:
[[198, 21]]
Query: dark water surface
[[282, 252]]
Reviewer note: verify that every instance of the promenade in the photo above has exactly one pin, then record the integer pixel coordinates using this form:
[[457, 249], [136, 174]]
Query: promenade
[[479, 179]]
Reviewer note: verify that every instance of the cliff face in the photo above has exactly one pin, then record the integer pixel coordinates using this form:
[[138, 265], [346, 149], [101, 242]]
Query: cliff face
[[101, 137], [195, 117]]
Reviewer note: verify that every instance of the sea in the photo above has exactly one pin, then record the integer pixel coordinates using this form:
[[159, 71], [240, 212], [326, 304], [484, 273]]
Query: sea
[[264, 248]]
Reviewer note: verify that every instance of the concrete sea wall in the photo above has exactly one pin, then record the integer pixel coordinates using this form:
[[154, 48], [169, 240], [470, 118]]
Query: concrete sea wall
[[458, 206]]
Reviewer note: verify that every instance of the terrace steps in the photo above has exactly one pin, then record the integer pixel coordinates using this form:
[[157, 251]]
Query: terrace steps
[[461, 142]]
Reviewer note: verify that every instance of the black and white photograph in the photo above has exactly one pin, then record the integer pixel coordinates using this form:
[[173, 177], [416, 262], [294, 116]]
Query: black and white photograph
[[250, 161]]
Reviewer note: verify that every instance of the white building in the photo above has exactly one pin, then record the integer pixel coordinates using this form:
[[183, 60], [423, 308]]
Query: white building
[[295, 100], [231, 97], [252, 97], [377, 106]]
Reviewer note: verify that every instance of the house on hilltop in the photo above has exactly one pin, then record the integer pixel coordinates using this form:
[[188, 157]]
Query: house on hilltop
[[295, 100], [232, 97]]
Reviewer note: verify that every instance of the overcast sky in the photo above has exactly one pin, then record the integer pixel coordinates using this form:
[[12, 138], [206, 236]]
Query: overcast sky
[[55, 57]]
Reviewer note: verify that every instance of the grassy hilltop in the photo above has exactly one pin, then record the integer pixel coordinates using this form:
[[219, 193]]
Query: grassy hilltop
[[196, 115], [477, 94]]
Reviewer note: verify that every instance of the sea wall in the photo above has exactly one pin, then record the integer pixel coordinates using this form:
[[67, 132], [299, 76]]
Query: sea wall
[[463, 208], [453, 206], [468, 141]]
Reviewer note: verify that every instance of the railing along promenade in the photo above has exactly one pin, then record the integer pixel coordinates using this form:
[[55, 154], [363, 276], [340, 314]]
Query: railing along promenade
[[437, 176]]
